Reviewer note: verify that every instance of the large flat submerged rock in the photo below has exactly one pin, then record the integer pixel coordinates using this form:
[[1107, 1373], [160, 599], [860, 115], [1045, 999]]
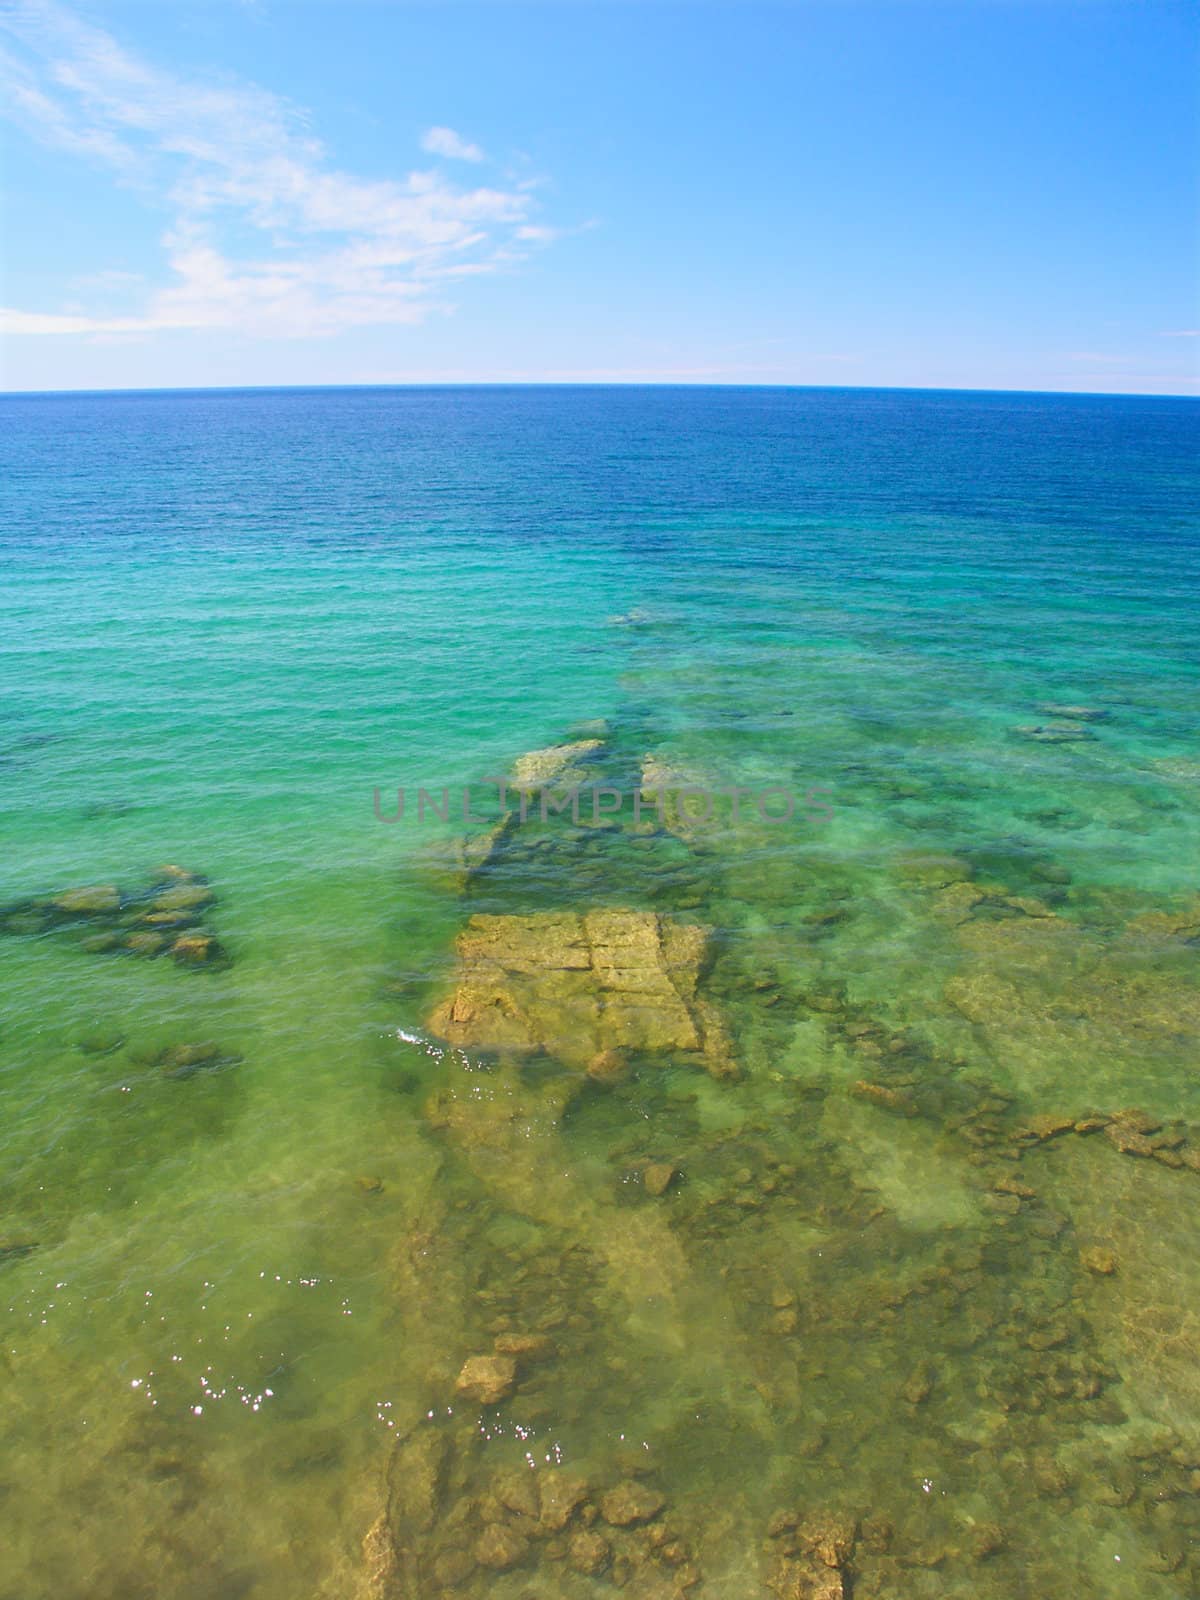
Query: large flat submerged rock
[[575, 985]]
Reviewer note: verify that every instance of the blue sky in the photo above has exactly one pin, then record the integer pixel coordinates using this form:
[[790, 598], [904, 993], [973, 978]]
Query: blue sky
[[972, 194]]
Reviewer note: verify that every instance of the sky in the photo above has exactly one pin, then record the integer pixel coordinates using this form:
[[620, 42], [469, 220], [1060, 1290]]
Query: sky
[[965, 194]]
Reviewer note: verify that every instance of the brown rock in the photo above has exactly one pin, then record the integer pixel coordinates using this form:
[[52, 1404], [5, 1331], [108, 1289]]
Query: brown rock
[[500, 1547], [1099, 1260], [658, 1177], [1008, 1185], [526, 1347], [517, 1491], [629, 1503], [1047, 1126], [184, 897], [607, 1066], [589, 1552], [539, 768], [829, 1536], [579, 987], [487, 1379], [806, 1580], [453, 1567], [181, 1058], [1136, 1120], [1127, 1140], [919, 1387], [560, 1494], [196, 950], [881, 1094], [89, 902]]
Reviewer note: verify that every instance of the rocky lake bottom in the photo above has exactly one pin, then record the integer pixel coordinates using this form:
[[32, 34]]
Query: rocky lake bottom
[[574, 1205]]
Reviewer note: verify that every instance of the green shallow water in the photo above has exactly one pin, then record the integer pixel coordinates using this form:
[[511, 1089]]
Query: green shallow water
[[228, 619]]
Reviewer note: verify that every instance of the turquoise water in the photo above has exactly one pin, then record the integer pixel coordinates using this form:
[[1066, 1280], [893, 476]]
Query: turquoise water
[[234, 1299]]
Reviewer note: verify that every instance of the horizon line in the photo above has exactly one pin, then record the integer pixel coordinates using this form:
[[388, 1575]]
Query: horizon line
[[584, 383]]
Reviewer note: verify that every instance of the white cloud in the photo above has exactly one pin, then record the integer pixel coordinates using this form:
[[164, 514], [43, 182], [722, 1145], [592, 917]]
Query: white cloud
[[445, 142], [266, 236], [1181, 333]]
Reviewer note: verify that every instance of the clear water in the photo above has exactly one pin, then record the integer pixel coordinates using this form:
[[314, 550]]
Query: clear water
[[226, 618]]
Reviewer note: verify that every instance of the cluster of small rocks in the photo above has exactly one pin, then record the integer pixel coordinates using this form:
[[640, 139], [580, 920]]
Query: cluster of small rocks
[[453, 1529], [810, 1556], [1130, 1131], [165, 917]]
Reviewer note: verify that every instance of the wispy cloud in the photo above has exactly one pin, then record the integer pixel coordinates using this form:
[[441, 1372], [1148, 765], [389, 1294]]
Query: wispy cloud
[[445, 142], [1180, 333], [317, 250]]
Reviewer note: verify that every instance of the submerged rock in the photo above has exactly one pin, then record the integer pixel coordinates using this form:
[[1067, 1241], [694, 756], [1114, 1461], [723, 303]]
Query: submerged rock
[[538, 768], [487, 1379], [658, 1177], [608, 1066], [197, 950], [1055, 732], [631, 1503], [183, 1060], [579, 986], [1098, 1260], [500, 1547], [184, 897], [589, 1552], [479, 850], [16, 1249], [99, 900], [1074, 713], [99, 1044], [561, 1495], [525, 1347]]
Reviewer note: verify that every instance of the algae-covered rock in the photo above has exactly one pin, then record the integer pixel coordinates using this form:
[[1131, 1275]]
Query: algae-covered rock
[[608, 1067], [562, 1493], [577, 986], [477, 851], [1096, 1258], [589, 1552], [99, 1044], [658, 1177], [500, 1548], [683, 801], [487, 1379], [526, 1348], [16, 1249], [89, 902], [197, 950], [184, 1060], [538, 768], [184, 897], [631, 1503]]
